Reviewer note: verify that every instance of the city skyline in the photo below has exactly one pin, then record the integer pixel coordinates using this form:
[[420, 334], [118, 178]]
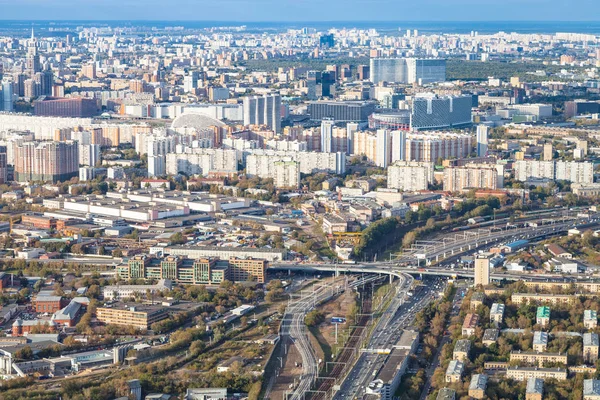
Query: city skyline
[[294, 11]]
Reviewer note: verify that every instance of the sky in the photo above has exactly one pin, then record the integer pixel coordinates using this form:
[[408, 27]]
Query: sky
[[303, 10]]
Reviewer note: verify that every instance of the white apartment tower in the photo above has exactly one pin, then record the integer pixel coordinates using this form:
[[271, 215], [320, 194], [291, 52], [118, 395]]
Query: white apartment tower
[[263, 110]]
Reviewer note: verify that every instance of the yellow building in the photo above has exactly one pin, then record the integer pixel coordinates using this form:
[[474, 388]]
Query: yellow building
[[140, 317]]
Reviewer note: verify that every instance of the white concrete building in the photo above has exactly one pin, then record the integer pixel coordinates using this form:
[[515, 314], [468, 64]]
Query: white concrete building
[[410, 175]]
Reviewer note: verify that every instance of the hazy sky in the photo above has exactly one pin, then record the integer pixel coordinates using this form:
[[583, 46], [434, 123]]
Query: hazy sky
[[303, 10]]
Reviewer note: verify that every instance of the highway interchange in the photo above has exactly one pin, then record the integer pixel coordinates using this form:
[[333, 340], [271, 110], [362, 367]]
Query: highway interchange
[[432, 254]]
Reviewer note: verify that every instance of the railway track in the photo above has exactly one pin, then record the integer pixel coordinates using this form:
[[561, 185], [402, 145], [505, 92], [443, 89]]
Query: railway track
[[323, 389]]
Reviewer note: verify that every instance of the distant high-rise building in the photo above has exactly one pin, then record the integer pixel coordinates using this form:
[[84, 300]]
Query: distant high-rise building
[[33, 58], [31, 88], [89, 70], [320, 84], [430, 111], [363, 72], [74, 107], [46, 161], [3, 165], [89, 154], [398, 146], [341, 111], [351, 128], [7, 96], [327, 135], [407, 70], [482, 140], [263, 110], [156, 165], [410, 175], [383, 153], [327, 40], [482, 269]]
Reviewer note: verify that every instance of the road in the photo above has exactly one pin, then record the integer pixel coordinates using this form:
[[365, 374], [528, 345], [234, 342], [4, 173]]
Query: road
[[397, 317], [445, 249]]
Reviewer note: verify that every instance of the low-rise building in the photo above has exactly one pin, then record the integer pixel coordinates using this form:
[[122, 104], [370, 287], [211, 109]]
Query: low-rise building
[[477, 386], [490, 336], [461, 350], [533, 358], [540, 341], [541, 298], [470, 323], [334, 223], [497, 314], [524, 373], [119, 292], [454, 371], [590, 319], [590, 347], [137, 316], [21, 327], [542, 317], [477, 299], [534, 389], [591, 389], [47, 303]]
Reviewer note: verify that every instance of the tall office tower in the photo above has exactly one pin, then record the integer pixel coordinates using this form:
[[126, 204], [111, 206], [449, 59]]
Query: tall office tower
[[3, 165], [157, 166], [327, 135], [89, 154], [19, 84], [327, 40], [407, 70], [482, 140], [46, 81], [46, 161], [398, 146], [351, 129], [263, 110], [33, 58], [190, 81], [482, 269], [383, 153], [7, 96], [363, 72], [430, 111], [320, 84], [548, 152]]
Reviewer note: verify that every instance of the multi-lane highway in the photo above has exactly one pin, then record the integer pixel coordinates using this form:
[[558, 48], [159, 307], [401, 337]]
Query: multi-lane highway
[[398, 316]]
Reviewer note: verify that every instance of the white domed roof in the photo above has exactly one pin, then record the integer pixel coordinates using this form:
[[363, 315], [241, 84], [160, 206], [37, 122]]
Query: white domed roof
[[198, 121]]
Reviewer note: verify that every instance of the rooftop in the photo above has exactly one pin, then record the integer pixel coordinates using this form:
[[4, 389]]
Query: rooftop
[[591, 387], [590, 339], [543, 312], [455, 368], [478, 382], [490, 334], [540, 337], [497, 308], [590, 315], [462, 346], [535, 386]]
